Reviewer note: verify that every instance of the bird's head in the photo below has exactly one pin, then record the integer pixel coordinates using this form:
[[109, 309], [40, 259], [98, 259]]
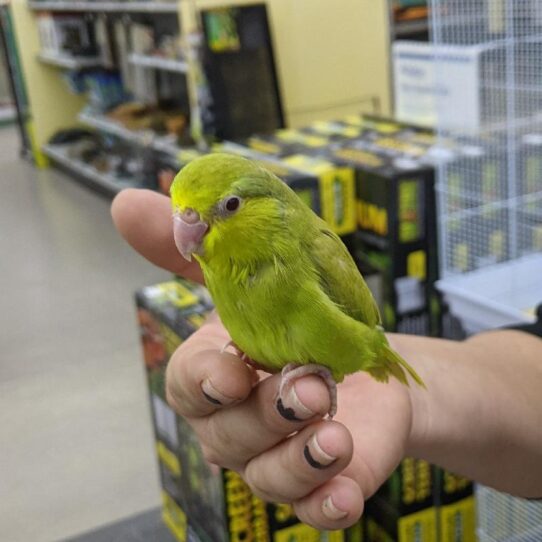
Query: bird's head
[[225, 204]]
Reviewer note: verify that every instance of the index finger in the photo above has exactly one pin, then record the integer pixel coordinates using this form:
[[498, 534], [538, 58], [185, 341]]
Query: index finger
[[143, 218]]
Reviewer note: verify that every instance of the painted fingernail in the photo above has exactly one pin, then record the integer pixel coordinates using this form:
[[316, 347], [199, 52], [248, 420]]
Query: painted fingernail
[[291, 408], [213, 395], [331, 511], [315, 456]]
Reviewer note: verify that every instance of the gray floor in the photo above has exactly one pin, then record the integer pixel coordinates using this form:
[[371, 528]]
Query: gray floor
[[76, 446]]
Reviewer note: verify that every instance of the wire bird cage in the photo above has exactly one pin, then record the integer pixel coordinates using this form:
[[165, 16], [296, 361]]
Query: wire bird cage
[[487, 57], [488, 85]]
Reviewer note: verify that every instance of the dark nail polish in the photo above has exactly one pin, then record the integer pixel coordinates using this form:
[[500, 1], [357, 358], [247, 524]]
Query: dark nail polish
[[211, 399], [311, 461], [286, 412]]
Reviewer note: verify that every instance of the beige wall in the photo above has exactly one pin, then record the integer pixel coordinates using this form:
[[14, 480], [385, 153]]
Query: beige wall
[[52, 105]]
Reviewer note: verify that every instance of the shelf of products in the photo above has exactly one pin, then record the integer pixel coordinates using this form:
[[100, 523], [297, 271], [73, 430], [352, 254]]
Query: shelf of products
[[165, 144], [158, 63], [407, 28], [105, 181], [101, 122], [70, 62], [142, 7]]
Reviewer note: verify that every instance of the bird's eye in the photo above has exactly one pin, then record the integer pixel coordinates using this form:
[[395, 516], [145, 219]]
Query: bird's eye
[[232, 203]]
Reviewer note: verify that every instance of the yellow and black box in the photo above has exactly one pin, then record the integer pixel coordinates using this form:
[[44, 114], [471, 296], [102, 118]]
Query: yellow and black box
[[456, 507], [328, 189], [403, 510], [201, 502], [336, 188], [396, 234], [287, 141]]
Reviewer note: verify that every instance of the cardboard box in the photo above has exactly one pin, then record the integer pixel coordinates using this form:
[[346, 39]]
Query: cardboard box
[[286, 142], [328, 189], [403, 510], [202, 503], [396, 235], [456, 513], [336, 189]]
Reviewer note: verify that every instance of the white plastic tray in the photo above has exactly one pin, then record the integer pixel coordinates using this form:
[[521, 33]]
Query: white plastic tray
[[495, 296]]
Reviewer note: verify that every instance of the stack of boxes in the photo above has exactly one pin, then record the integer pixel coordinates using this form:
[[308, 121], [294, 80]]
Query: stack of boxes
[[373, 181], [202, 503], [371, 185]]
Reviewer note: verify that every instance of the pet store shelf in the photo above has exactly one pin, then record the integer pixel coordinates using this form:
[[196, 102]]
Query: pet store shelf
[[159, 63], [103, 181], [403, 29], [112, 127], [164, 144], [70, 62], [135, 7]]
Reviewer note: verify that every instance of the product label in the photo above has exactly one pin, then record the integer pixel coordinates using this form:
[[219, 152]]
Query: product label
[[417, 264], [410, 211], [372, 218], [174, 517], [260, 520], [417, 480], [262, 145], [400, 146], [304, 533], [222, 30], [337, 189], [458, 521], [239, 507], [360, 157], [168, 458], [419, 527]]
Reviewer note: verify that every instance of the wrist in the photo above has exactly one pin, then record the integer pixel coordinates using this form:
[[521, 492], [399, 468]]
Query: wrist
[[418, 396]]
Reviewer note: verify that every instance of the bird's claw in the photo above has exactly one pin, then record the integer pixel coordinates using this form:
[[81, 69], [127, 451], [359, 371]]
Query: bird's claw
[[292, 372]]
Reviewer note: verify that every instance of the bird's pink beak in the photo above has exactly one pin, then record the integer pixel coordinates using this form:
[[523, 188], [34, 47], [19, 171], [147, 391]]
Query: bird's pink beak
[[188, 232]]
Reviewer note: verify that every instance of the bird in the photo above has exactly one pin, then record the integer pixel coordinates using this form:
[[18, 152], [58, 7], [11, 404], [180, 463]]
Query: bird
[[283, 283]]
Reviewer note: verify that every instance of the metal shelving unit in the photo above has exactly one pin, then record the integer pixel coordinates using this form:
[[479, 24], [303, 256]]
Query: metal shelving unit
[[106, 182], [158, 63], [101, 122], [70, 62], [144, 137], [135, 7], [405, 29]]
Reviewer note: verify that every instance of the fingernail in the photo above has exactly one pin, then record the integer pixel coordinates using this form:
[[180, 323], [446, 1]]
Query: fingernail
[[331, 511], [315, 456], [291, 408], [213, 395]]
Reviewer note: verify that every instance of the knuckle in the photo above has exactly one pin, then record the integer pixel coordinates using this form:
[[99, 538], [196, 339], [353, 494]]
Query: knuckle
[[255, 477], [172, 399], [216, 432], [211, 455]]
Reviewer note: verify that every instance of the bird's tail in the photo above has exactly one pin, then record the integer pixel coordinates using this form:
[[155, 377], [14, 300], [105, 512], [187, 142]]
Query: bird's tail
[[392, 363]]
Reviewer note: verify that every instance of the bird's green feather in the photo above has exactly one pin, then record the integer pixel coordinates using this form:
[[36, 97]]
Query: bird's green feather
[[283, 283]]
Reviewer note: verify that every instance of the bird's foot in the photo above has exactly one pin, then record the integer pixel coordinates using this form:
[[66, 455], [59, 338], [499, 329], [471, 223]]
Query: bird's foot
[[292, 372]]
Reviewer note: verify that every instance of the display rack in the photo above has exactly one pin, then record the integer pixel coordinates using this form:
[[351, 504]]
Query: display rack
[[142, 137], [159, 63], [100, 122], [135, 7], [70, 62], [103, 181], [307, 95]]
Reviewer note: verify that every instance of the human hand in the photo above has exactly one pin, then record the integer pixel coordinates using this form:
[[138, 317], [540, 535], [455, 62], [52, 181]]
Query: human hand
[[325, 468]]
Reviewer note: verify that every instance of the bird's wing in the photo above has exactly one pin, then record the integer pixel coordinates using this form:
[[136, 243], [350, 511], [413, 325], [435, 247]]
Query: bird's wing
[[340, 279]]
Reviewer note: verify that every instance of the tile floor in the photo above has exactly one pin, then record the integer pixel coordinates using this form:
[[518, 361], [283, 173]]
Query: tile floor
[[76, 446]]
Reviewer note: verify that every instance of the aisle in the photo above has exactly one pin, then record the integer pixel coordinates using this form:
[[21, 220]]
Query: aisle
[[75, 434]]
